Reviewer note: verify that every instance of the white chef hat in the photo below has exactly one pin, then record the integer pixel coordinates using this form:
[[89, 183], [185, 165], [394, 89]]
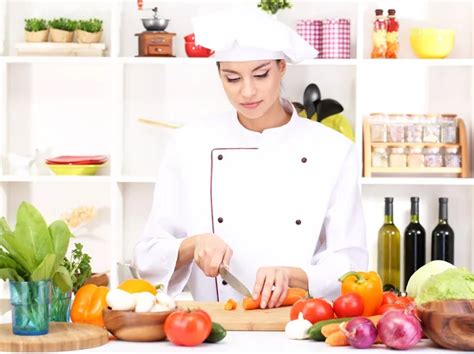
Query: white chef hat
[[250, 34]]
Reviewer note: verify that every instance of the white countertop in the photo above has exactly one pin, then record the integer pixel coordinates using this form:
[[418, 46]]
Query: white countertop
[[249, 342]]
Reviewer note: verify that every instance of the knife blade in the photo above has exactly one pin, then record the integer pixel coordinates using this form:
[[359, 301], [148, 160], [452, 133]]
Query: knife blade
[[233, 281]]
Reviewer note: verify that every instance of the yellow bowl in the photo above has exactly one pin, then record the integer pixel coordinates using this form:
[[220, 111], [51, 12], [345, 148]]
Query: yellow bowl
[[432, 43], [75, 170]]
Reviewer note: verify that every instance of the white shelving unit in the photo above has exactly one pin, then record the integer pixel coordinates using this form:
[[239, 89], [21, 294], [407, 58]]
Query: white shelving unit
[[76, 105]]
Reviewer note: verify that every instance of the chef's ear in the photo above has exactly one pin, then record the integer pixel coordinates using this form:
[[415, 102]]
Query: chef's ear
[[281, 64]]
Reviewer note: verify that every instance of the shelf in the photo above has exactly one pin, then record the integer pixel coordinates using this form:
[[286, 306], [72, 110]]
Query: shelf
[[424, 170], [410, 181], [438, 145], [56, 59], [421, 62], [49, 179], [133, 179], [211, 61]]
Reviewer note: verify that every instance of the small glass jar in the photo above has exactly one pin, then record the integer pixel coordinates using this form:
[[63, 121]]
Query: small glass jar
[[397, 157], [378, 128], [449, 131], [452, 157], [431, 129], [433, 157], [395, 128], [379, 157], [413, 129], [415, 157]]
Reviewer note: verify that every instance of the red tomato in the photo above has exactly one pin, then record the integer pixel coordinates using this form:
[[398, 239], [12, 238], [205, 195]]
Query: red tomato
[[387, 307], [349, 305], [389, 298], [314, 310], [404, 300], [188, 328]]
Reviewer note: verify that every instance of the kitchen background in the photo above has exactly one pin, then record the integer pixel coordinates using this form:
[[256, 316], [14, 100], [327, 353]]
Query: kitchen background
[[58, 105]]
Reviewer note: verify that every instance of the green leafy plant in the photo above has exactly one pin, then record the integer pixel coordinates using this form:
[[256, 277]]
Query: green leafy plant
[[92, 25], [64, 24], [34, 251], [79, 266], [272, 6], [35, 24]]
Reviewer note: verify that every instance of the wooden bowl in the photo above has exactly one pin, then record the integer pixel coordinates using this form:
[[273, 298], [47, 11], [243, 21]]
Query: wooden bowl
[[136, 326], [449, 323]]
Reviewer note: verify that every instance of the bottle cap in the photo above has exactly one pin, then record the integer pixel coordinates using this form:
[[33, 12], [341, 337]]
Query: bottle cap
[[443, 200], [388, 200], [379, 12], [415, 199], [391, 12]]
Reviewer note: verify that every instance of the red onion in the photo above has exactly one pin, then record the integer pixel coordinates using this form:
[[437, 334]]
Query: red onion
[[399, 330], [360, 332]]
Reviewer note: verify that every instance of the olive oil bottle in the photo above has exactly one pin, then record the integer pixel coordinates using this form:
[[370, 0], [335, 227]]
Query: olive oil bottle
[[388, 255]]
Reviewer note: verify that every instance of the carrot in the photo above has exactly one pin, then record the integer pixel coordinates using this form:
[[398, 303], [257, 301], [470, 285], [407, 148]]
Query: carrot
[[230, 305], [337, 339], [294, 294], [328, 329], [375, 319]]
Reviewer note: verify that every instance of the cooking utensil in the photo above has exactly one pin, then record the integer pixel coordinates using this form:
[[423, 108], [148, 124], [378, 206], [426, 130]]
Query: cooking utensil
[[155, 23], [159, 123], [233, 281], [328, 107], [311, 97]]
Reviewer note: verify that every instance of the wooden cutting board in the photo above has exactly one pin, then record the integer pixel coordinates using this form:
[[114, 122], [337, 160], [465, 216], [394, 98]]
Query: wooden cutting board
[[244, 320], [61, 337]]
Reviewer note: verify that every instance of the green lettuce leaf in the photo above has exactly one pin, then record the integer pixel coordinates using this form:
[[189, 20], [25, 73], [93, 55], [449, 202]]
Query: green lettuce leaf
[[10, 274], [60, 235], [18, 251], [62, 279], [45, 269]]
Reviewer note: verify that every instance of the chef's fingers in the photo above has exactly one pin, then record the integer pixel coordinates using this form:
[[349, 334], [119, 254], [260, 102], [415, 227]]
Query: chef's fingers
[[279, 290], [227, 256], [259, 281], [214, 263], [284, 293], [267, 288]]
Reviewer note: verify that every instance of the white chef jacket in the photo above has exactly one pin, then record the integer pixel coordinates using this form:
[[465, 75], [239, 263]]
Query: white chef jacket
[[288, 196]]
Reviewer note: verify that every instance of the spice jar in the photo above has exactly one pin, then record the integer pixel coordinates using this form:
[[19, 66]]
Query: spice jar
[[379, 157], [414, 129], [378, 128], [433, 158], [397, 157], [395, 128], [452, 158], [431, 129], [449, 129], [415, 157]]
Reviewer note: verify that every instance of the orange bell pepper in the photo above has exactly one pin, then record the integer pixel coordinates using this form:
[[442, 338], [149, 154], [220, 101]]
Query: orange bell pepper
[[88, 305], [368, 285]]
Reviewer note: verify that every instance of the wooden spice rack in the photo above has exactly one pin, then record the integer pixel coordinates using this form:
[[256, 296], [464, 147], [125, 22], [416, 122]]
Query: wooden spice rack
[[463, 171]]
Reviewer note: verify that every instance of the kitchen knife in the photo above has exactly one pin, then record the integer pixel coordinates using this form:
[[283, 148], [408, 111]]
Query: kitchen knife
[[233, 281]]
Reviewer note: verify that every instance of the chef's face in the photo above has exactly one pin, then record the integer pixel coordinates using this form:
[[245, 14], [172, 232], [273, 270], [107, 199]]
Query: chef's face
[[252, 87]]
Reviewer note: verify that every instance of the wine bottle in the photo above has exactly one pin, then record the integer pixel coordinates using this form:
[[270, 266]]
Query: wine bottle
[[415, 242], [388, 255], [442, 238]]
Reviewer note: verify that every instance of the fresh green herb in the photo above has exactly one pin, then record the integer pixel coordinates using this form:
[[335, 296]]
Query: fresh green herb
[[93, 25], [64, 24], [272, 6], [35, 24], [34, 251], [79, 266]]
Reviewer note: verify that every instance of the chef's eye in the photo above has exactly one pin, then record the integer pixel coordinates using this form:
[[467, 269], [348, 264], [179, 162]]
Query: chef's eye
[[232, 78], [262, 76]]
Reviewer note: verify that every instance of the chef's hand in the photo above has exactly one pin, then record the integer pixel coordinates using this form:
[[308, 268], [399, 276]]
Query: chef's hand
[[210, 252], [268, 278]]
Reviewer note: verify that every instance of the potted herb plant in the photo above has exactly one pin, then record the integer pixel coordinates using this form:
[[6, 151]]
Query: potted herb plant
[[89, 31], [30, 259], [62, 29], [273, 6], [79, 267], [36, 30]]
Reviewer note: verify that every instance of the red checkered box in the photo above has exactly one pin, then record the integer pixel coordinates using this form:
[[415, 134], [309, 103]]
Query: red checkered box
[[311, 31], [336, 39]]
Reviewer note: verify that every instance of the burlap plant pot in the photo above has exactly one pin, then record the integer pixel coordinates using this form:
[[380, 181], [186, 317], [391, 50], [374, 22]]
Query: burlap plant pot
[[61, 36], [39, 36], [88, 37]]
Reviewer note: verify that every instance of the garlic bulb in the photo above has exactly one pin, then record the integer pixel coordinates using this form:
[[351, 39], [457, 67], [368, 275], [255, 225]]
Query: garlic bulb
[[298, 329]]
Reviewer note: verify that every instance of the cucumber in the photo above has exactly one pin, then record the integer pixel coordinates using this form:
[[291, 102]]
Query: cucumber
[[314, 331], [217, 334]]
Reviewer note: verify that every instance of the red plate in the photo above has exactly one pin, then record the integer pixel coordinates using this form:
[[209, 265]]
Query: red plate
[[77, 160]]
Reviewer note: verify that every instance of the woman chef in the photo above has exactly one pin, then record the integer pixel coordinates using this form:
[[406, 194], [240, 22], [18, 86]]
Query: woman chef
[[271, 196]]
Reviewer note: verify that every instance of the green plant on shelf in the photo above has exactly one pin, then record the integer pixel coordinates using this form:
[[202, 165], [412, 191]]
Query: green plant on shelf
[[35, 24], [92, 25], [64, 24], [273, 6]]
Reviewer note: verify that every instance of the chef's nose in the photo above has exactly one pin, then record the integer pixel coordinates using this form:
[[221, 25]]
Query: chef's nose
[[248, 88]]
